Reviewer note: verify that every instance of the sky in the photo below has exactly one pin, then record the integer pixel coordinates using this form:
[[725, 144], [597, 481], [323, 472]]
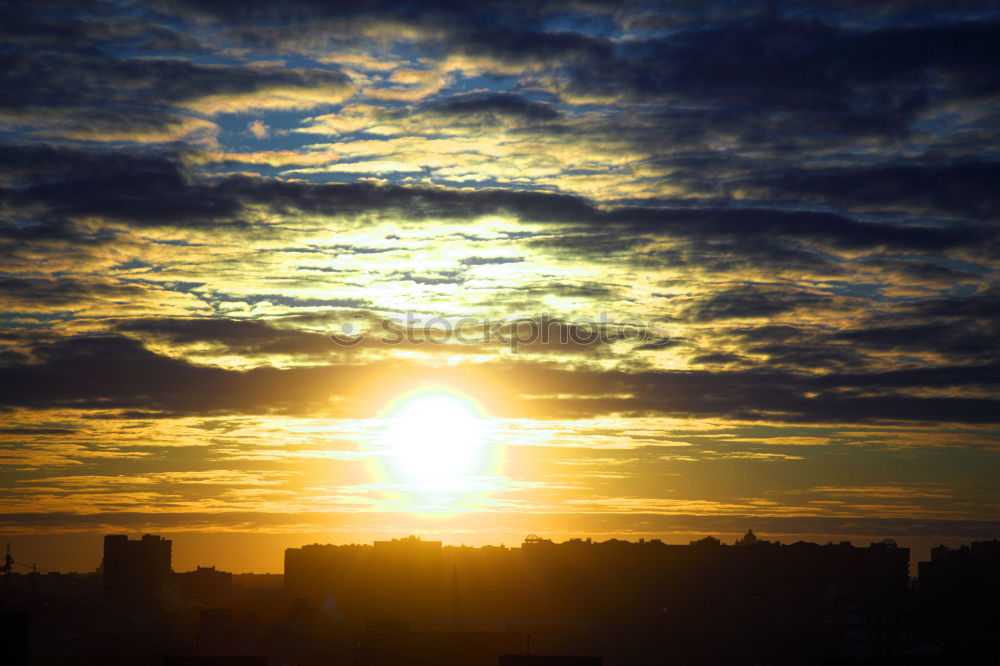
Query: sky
[[277, 273]]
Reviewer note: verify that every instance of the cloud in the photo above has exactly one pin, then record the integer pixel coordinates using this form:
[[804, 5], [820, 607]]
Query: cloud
[[74, 372], [235, 336], [77, 372], [90, 73], [490, 108], [836, 230], [750, 301], [161, 190], [805, 68], [491, 261], [369, 166], [21, 293], [955, 341], [106, 81], [127, 186], [558, 521], [258, 129], [963, 189]]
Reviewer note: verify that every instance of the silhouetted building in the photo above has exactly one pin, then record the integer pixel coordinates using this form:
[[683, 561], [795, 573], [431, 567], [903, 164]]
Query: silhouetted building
[[136, 566], [215, 624], [547, 660], [393, 642], [705, 600], [400, 579], [412, 548], [14, 638], [874, 628], [963, 569], [205, 583], [215, 661], [959, 590], [708, 541]]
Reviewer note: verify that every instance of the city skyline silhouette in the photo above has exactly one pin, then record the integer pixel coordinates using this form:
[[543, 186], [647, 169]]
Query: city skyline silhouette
[[582, 601], [622, 333]]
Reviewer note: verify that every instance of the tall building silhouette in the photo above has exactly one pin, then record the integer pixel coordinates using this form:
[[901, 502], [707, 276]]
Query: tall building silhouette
[[959, 589], [137, 566]]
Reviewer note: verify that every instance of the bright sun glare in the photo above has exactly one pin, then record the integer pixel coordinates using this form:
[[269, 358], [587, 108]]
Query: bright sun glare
[[435, 438]]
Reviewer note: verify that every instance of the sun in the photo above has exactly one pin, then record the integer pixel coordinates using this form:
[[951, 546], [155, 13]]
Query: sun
[[435, 438]]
